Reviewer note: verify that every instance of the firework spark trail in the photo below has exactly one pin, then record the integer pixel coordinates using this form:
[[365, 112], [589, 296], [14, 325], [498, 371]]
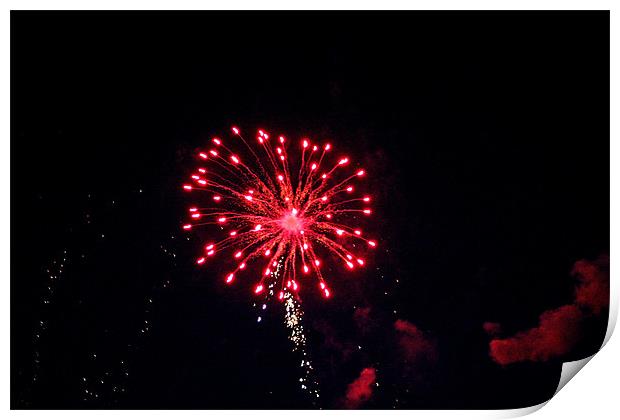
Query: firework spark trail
[[269, 210], [293, 320]]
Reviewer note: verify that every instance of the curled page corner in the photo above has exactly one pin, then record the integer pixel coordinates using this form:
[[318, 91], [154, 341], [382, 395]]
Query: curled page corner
[[613, 313], [519, 412], [570, 369]]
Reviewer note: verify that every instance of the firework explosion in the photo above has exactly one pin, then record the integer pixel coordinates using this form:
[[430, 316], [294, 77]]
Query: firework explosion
[[289, 219]]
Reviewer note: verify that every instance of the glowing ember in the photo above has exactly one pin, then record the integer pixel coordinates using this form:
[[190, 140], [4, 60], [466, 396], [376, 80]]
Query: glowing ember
[[268, 208]]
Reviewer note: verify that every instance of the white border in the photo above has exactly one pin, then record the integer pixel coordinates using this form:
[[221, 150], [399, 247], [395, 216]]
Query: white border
[[309, 5], [594, 394]]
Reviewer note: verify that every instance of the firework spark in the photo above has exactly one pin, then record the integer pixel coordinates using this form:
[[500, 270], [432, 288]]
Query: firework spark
[[293, 320], [290, 216]]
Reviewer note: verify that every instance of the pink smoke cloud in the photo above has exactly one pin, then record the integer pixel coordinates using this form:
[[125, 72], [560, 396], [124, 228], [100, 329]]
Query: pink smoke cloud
[[362, 319], [492, 328], [559, 330], [414, 344], [360, 390], [592, 292]]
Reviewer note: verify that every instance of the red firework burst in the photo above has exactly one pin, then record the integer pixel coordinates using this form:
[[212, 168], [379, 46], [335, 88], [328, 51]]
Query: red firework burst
[[268, 212]]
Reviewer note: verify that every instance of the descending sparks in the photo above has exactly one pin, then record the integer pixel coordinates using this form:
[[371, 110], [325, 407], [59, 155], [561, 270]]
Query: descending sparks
[[293, 318], [280, 203]]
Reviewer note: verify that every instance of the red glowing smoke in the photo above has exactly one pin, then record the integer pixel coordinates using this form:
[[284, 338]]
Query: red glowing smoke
[[414, 344], [360, 390], [333, 341], [492, 328], [593, 291], [362, 318], [559, 330]]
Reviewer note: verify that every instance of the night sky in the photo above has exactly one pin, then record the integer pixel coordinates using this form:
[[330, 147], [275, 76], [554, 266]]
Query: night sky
[[486, 140]]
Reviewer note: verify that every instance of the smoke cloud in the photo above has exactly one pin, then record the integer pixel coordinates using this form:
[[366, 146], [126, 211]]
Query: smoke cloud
[[360, 390], [592, 293], [559, 330], [362, 319], [414, 344], [492, 328]]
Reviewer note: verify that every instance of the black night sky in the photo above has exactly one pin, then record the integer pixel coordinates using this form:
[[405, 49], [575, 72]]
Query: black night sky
[[486, 139]]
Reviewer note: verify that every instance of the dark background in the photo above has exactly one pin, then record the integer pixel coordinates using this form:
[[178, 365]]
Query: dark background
[[486, 137]]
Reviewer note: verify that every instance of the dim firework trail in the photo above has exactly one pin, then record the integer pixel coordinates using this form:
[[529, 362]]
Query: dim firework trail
[[293, 220]]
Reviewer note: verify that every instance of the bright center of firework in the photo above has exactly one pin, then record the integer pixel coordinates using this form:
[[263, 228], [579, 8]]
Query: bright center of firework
[[291, 223]]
